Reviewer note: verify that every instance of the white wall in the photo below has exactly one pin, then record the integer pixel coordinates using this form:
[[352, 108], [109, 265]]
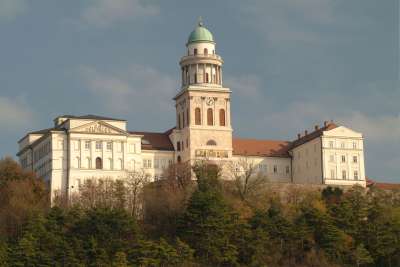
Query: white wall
[[307, 162], [347, 144]]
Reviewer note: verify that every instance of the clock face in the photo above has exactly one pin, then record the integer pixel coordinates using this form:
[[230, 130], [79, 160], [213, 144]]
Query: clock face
[[210, 101]]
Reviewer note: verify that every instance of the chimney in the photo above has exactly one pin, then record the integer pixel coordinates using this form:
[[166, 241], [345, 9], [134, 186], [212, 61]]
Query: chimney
[[316, 127], [305, 132], [325, 123], [298, 136]]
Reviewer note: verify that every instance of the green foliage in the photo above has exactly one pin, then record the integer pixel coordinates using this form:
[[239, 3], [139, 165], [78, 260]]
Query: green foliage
[[353, 227]]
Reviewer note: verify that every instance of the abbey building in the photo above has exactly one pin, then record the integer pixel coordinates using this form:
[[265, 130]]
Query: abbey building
[[84, 147]]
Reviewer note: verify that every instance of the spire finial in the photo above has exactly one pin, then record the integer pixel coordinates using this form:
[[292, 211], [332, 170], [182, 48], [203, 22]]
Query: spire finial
[[200, 21]]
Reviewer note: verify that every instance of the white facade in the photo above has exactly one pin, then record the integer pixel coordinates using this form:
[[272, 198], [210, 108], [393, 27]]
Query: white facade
[[86, 147]]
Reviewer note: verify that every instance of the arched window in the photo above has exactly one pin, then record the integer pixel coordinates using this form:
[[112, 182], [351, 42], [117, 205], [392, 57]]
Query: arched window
[[207, 78], [222, 117], [187, 117], [205, 51], [179, 121], [178, 146], [210, 119], [211, 143], [99, 163], [195, 51], [197, 116], [179, 159], [183, 119]]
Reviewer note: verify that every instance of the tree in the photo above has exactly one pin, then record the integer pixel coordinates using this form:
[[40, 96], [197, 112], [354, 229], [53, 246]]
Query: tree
[[165, 201], [361, 255], [120, 260], [21, 195], [135, 182], [248, 180], [208, 224]]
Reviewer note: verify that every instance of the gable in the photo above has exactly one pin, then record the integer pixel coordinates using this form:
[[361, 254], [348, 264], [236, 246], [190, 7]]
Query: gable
[[97, 127], [342, 131]]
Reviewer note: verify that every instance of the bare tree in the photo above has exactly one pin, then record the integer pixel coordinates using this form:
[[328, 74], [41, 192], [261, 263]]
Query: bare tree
[[135, 181], [248, 180]]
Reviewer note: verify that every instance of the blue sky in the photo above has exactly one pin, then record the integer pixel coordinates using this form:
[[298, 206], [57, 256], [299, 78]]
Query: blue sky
[[291, 64]]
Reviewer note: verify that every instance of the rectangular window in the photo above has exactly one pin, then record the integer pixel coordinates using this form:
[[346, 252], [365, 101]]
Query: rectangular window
[[275, 169], [156, 163], [109, 146], [355, 159], [344, 175], [287, 170], [87, 145], [355, 145], [331, 158], [99, 145], [331, 144], [332, 174], [355, 175], [343, 158], [342, 145]]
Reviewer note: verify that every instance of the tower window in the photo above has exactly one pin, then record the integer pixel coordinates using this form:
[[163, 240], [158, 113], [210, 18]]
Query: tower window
[[222, 117], [210, 119], [195, 51], [179, 121], [197, 116], [99, 163], [205, 51]]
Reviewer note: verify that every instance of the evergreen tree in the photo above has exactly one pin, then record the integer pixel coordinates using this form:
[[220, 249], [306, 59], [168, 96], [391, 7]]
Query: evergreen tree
[[208, 223], [120, 260]]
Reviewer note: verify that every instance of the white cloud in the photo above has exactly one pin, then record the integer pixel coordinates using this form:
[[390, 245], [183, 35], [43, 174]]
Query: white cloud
[[14, 114], [137, 89], [10, 9], [102, 13]]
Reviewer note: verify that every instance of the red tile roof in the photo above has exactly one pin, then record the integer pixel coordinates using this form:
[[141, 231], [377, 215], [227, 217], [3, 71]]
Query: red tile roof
[[155, 141], [383, 186], [264, 148], [313, 135]]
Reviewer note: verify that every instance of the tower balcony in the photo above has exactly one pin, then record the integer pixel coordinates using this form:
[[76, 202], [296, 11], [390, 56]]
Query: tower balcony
[[199, 58]]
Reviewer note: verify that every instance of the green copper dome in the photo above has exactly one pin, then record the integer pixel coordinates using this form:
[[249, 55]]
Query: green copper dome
[[200, 34]]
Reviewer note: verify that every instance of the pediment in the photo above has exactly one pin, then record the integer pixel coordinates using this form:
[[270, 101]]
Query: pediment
[[342, 131], [97, 127]]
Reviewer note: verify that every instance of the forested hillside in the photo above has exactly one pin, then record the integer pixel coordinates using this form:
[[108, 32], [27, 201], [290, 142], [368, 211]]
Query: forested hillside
[[176, 222]]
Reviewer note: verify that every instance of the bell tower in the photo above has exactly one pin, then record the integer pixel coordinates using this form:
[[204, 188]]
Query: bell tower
[[203, 119]]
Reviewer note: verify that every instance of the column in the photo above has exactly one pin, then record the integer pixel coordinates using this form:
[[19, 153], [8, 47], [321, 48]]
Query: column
[[190, 73], [204, 72], [220, 70], [183, 76], [211, 72], [197, 73]]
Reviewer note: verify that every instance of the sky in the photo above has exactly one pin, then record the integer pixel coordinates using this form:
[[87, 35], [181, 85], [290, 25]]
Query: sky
[[291, 64]]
